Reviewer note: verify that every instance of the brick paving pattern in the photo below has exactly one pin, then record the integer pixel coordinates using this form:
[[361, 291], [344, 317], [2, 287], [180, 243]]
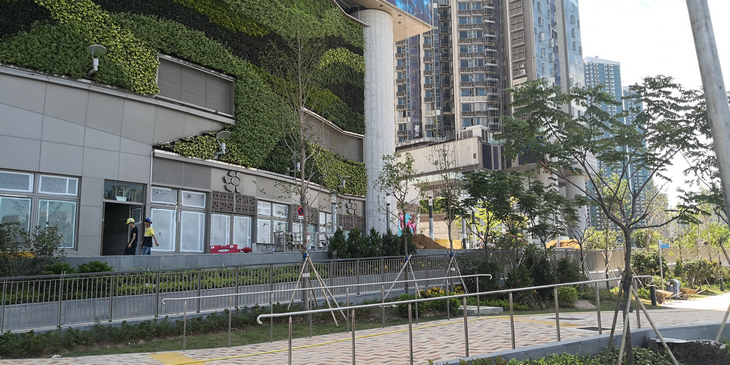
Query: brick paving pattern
[[439, 340]]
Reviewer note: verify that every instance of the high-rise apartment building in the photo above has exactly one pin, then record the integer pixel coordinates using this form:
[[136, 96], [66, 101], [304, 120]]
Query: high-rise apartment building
[[451, 80], [607, 73]]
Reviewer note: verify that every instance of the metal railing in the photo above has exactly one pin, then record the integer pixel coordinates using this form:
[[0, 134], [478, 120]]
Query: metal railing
[[464, 297], [447, 280], [44, 302]]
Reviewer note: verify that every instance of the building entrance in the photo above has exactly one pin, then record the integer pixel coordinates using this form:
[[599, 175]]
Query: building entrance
[[115, 229]]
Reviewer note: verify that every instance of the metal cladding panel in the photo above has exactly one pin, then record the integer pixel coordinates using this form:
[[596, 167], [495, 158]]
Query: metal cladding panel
[[195, 176], [167, 172]]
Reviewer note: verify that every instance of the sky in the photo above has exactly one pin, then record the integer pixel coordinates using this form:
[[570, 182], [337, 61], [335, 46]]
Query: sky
[[652, 37]]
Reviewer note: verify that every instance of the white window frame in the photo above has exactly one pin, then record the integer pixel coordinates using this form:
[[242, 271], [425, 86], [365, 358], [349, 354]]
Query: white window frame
[[201, 232], [173, 229], [247, 238], [214, 226], [161, 202], [30, 182], [68, 180], [183, 199]]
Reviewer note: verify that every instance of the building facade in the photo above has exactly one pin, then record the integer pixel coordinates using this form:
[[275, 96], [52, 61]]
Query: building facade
[[607, 74], [85, 149]]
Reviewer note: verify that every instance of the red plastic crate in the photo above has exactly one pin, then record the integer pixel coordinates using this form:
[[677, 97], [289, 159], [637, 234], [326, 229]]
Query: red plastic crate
[[224, 249]]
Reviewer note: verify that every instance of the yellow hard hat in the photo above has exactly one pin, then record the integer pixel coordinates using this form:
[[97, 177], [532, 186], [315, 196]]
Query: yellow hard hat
[[130, 220]]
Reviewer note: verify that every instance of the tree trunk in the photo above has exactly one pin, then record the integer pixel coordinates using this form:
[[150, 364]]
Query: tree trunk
[[628, 278], [722, 247]]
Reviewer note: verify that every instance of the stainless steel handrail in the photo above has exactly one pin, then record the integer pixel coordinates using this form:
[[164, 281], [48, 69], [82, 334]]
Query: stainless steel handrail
[[322, 287]]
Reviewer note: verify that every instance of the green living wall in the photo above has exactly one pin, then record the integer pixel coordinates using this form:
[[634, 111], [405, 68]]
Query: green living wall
[[230, 36]]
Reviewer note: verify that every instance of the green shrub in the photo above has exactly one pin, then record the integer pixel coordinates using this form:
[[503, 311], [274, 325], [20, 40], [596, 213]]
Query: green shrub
[[568, 271], [567, 296], [403, 308], [58, 268], [28, 254], [94, 266]]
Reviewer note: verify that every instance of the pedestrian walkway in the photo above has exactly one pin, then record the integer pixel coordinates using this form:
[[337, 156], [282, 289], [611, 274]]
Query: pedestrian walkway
[[439, 340]]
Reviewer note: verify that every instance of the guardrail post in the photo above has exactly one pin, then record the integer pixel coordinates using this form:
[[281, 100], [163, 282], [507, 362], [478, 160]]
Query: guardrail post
[[185, 323], [410, 333], [111, 297], [417, 295], [229, 322], [332, 273], [598, 309], [353, 335], [382, 300], [466, 330], [479, 304], [60, 300], [290, 335], [200, 272], [271, 319], [157, 296], [2, 314], [357, 272], [557, 311], [347, 304], [512, 320], [636, 296], [448, 306], [238, 274]]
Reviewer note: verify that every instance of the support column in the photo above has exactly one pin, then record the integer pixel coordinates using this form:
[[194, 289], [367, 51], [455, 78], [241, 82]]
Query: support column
[[379, 108]]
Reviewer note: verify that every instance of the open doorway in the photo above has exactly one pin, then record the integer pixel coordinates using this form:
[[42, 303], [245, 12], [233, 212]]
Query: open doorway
[[115, 229]]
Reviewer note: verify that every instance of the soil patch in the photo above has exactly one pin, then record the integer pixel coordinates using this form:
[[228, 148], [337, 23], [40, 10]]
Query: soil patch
[[703, 352], [423, 242]]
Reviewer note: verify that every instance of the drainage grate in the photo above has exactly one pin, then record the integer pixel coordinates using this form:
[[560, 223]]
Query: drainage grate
[[593, 329]]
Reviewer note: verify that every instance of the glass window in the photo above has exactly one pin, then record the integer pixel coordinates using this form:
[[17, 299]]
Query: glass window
[[164, 196], [464, 63], [192, 199], [120, 191], [15, 210], [14, 181], [428, 80], [466, 78], [401, 75], [242, 231], [427, 67], [57, 185], [400, 63], [464, 6], [478, 77], [429, 93], [264, 208], [466, 107], [263, 231], [476, 6], [427, 53], [464, 20], [466, 92], [220, 229], [466, 122], [463, 49], [281, 211], [476, 20], [481, 92], [61, 214], [192, 231], [464, 35], [164, 224]]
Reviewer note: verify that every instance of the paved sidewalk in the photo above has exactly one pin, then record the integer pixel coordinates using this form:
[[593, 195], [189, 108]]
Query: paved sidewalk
[[439, 340]]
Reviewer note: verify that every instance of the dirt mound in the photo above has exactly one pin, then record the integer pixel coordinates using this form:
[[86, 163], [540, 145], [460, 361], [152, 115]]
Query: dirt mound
[[423, 242]]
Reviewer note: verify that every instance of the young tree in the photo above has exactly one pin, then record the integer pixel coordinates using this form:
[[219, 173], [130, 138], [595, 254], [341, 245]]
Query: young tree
[[398, 179], [449, 187], [493, 194], [567, 145], [548, 213], [296, 68]]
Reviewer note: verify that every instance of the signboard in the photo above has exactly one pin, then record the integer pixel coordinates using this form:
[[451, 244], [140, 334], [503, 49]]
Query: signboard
[[300, 213]]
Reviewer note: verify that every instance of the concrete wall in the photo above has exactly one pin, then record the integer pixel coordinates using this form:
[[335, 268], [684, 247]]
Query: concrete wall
[[179, 261], [595, 345]]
